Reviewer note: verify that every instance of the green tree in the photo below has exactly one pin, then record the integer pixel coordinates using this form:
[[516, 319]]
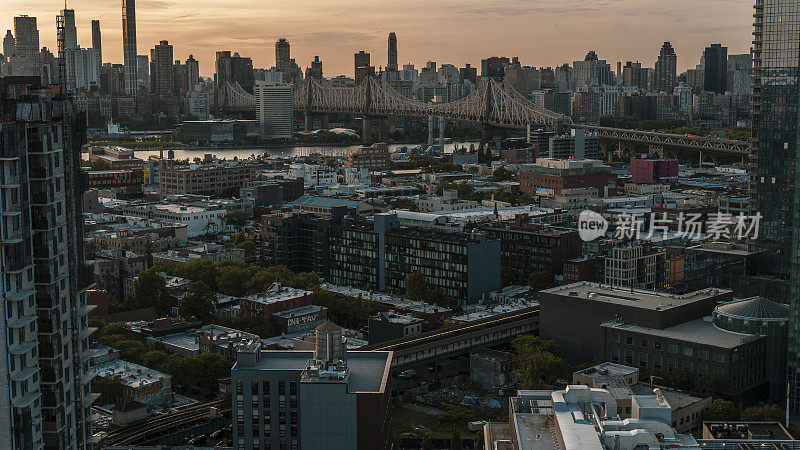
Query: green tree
[[455, 440], [149, 289], [541, 279], [539, 361], [237, 219], [721, 410], [233, 279], [200, 302], [427, 443], [503, 174], [110, 389], [249, 246], [404, 203], [417, 286], [763, 414]]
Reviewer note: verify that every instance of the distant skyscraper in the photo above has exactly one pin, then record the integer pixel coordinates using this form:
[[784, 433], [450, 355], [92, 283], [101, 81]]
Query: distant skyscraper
[[315, 71], [97, 43], [715, 68], [129, 51], [164, 75], [70, 32], [70, 36], [494, 67], [362, 66], [9, 43], [774, 180], [143, 71], [468, 73], [666, 69], [192, 73], [391, 65], [283, 57], [26, 34], [274, 109]]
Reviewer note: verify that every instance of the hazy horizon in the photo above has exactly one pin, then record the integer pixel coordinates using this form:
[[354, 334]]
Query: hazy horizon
[[541, 33]]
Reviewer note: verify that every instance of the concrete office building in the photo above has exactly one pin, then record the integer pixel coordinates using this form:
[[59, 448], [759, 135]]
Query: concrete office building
[[129, 49], [275, 110], [192, 73], [586, 306], [327, 398], [362, 66], [759, 316], [45, 396]]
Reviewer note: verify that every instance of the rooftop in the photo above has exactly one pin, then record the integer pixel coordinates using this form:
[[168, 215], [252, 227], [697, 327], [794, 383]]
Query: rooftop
[[746, 430], [130, 374], [367, 370], [277, 293], [699, 331], [326, 202], [754, 308], [639, 298]]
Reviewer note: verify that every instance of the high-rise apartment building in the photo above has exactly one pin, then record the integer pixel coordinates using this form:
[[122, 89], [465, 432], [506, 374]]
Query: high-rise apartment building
[[715, 68], [129, 51], [274, 110], [9, 44], [330, 398], [283, 55], [97, 42], [164, 75], [391, 64], [192, 73], [773, 178], [362, 66], [665, 78], [46, 396], [69, 36], [70, 31], [234, 69], [143, 71]]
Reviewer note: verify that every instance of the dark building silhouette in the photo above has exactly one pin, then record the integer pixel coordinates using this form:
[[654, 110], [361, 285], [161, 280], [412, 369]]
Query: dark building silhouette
[[315, 71], [362, 66], [468, 73], [494, 67], [96, 40], [391, 64], [163, 75], [715, 68]]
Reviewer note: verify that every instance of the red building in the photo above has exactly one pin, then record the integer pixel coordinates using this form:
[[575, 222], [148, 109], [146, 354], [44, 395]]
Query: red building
[[652, 169], [375, 158], [579, 269], [550, 177], [276, 299]]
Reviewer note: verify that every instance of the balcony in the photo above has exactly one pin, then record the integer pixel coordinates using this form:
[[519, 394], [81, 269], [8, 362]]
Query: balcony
[[19, 322], [22, 347], [23, 401], [24, 374], [40, 173], [88, 399]]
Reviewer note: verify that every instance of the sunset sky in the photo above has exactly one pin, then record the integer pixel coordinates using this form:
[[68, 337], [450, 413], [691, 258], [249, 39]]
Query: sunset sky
[[540, 32]]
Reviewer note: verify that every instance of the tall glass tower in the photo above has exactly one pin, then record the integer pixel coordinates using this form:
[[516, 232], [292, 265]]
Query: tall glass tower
[[773, 179], [129, 45]]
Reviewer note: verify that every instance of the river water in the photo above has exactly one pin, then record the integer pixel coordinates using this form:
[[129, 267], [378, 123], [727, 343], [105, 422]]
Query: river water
[[300, 150]]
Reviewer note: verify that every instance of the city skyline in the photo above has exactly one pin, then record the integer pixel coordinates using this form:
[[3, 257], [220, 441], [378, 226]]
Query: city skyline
[[443, 32]]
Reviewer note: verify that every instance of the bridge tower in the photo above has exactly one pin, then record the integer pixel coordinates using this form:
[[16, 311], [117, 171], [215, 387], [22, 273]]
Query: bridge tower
[[374, 128]]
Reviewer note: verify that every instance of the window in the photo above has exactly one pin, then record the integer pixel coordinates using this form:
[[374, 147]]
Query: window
[[643, 359], [629, 340], [615, 354], [615, 338], [688, 351], [687, 366], [628, 356], [719, 357], [672, 348], [703, 353], [657, 345]]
